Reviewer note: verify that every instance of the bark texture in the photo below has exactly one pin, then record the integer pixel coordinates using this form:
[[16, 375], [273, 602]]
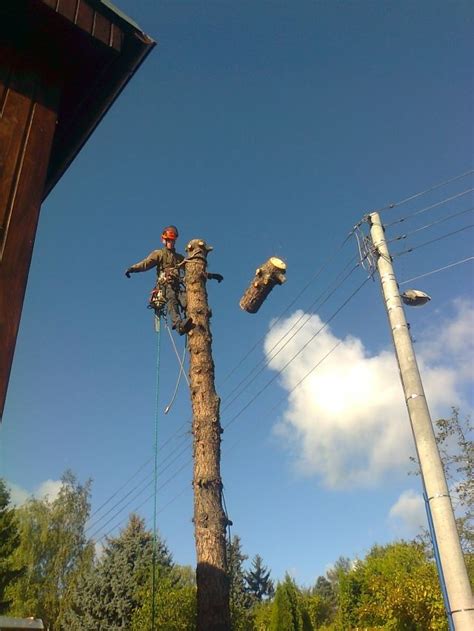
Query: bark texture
[[271, 273], [210, 522]]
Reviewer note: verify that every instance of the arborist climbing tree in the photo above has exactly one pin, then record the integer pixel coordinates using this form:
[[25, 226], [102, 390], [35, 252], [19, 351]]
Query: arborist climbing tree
[[176, 292], [169, 288]]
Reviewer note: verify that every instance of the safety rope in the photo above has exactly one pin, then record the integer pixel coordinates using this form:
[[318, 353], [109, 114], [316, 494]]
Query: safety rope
[[155, 477], [181, 368]]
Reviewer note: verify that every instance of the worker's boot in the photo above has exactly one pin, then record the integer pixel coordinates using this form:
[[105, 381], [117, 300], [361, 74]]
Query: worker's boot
[[184, 326]]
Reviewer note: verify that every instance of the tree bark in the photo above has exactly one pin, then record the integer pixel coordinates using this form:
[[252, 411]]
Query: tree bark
[[210, 521], [266, 277]]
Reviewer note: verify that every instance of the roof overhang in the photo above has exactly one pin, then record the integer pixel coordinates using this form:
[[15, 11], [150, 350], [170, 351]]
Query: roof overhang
[[91, 48]]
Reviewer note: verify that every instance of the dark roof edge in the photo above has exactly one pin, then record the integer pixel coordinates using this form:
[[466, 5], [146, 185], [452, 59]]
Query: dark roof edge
[[116, 12], [147, 45]]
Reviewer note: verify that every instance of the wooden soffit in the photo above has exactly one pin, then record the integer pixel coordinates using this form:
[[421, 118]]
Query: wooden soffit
[[89, 48]]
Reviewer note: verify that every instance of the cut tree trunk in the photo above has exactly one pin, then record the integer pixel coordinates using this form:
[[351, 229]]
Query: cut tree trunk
[[210, 521], [266, 277]]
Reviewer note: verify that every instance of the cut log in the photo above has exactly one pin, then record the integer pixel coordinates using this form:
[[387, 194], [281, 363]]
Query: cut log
[[266, 277]]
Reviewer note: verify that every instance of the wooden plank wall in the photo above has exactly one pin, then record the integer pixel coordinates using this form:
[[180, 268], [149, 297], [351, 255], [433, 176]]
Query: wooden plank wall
[[83, 15], [28, 114]]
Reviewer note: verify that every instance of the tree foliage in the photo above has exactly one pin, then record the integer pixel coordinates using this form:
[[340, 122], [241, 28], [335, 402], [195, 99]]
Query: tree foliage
[[52, 548], [9, 542], [289, 612], [457, 455], [259, 583], [107, 596], [394, 587], [175, 604], [240, 600]]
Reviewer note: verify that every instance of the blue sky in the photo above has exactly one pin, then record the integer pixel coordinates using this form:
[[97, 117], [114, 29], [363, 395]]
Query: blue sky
[[268, 129]]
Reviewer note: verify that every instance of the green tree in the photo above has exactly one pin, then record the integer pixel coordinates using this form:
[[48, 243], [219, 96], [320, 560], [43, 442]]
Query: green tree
[[175, 603], [240, 600], [457, 454], [259, 583], [394, 587], [9, 542], [52, 547], [106, 598], [262, 615], [321, 602], [288, 611]]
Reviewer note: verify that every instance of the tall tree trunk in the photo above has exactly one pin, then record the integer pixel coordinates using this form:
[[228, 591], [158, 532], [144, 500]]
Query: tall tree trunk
[[213, 612]]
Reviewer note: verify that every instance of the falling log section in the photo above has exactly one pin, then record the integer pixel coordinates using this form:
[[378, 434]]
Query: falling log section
[[210, 521], [266, 277]]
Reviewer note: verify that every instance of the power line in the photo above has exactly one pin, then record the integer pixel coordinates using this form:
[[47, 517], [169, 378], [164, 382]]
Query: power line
[[278, 373], [288, 307], [147, 499], [97, 530], [440, 269], [173, 476], [299, 382], [320, 270], [241, 392], [245, 387], [183, 442], [424, 192], [430, 225], [318, 363], [262, 364], [109, 499], [430, 207], [421, 245], [232, 371]]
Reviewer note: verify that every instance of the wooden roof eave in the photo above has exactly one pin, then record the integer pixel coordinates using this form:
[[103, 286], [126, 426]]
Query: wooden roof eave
[[120, 46], [107, 88]]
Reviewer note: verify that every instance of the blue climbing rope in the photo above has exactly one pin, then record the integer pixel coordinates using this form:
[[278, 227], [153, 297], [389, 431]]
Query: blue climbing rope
[[155, 483], [434, 541]]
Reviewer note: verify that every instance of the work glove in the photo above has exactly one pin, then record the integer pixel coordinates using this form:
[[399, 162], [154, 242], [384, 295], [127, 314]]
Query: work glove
[[128, 272], [217, 277]]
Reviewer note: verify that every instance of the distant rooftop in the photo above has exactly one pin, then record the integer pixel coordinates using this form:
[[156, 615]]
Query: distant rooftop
[[7, 623]]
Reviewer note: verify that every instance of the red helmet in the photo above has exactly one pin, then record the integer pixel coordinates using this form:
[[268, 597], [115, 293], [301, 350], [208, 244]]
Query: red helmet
[[170, 232]]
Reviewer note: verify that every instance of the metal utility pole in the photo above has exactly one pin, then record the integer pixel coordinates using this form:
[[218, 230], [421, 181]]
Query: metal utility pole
[[210, 521], [458, 589]]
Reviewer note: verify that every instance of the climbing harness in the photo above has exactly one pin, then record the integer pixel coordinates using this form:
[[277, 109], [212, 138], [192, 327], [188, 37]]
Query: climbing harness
[[157, 301]]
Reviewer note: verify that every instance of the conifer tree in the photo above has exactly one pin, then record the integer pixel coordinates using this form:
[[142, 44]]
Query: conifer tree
[[259, 583], [240, 600], [235, 560], [288, 614], [107, 597], [9, 541]]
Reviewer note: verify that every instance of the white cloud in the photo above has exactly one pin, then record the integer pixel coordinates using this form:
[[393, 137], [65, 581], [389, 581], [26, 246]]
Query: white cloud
[[18, 496], [347, 422], [48, 489], [453, 337], [99, 548], [408, 514]]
